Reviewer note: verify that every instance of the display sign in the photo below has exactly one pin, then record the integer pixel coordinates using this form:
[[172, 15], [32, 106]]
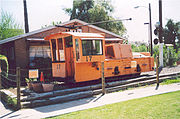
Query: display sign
[[133, 64], [33, 73]]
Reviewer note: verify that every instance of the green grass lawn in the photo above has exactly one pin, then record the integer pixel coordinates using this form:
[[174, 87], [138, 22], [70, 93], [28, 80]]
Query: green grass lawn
[[165, 106], [170, 81]]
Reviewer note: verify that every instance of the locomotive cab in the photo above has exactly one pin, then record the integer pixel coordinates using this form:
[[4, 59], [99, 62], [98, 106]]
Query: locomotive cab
[[76, 56]]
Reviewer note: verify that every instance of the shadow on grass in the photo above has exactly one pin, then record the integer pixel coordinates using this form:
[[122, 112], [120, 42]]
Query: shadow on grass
[[157, 86]]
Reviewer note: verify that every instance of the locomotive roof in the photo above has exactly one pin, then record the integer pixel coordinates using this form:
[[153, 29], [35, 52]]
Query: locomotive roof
[[78, 34], [85, 34]]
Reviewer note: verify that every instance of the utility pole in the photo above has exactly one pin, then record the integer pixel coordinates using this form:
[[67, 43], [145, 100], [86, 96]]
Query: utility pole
[[150, 28], [25, 17], [160, 34]]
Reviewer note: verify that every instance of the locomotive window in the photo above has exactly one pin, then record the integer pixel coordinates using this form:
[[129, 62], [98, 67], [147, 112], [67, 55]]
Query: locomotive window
[[92, 47], [68, 41], [77, 49], [109, 51], [54, 49], [61, 50], [60, 44]]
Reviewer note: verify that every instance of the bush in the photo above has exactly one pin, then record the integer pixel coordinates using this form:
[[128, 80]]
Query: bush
[[169, 55], [155, 51], [11, 102], [140, 48], [4, 63], [178, 55]]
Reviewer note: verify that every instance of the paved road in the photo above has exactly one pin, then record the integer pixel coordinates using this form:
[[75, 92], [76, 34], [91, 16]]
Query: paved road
[[57, 109]]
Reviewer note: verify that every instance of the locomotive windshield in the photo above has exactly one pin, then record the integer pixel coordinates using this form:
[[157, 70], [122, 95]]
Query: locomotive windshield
[[92, 47]]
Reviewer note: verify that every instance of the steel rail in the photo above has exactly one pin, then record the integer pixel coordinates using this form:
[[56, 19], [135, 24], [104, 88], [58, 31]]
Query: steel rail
[[65, 95]]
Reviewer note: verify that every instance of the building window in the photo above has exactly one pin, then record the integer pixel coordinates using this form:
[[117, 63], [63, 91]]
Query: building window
[[77, 49], [38, 52]]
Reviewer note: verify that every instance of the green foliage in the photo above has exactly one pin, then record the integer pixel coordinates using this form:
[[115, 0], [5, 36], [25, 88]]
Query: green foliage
[[8, 27], [164, 106], [80, 9], [95, 11], [4, 63], [30, 80], [178, 55], [170, 81], [140, 48], [171, 33], [11, 102], [156, 51], [169, 55], [52, 24]]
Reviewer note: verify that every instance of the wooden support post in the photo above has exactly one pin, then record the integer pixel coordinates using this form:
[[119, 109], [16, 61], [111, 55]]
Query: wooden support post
[[157, 70], [102, 77], [18, 82]]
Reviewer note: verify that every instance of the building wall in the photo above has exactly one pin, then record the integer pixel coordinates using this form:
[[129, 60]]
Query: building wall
[[21, 53], [0, 49], [88, 29], [8, 50], [21, 47]]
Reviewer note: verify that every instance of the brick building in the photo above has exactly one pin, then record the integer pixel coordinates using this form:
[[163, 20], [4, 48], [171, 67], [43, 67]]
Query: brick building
[[21, 50]]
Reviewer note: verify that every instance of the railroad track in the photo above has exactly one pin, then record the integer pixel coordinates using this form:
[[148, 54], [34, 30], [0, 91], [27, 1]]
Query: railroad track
[[65, 95]]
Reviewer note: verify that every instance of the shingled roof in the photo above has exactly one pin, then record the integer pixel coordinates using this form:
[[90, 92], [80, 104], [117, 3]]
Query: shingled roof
[[41, 33]]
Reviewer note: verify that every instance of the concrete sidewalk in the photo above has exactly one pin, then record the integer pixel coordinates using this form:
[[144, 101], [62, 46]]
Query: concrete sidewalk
[[57, 109]]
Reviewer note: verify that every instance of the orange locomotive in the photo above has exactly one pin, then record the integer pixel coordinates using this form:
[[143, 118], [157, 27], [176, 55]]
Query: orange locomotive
[[78, 56]]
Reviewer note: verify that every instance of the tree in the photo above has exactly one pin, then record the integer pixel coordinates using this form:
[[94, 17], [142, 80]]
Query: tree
[[139, 47], [94, 11], [171, 34], [80, 10], [8, 27], [52, 24]]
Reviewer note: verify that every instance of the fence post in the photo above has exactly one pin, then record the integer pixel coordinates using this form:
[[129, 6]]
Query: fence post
[[157, 70], [102, 77], [18, 83]]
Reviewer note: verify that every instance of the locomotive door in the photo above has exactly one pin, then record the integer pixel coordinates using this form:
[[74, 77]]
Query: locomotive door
[[69, 57]]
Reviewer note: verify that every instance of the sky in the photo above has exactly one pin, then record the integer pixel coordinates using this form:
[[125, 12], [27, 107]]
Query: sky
[[44, 12]]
